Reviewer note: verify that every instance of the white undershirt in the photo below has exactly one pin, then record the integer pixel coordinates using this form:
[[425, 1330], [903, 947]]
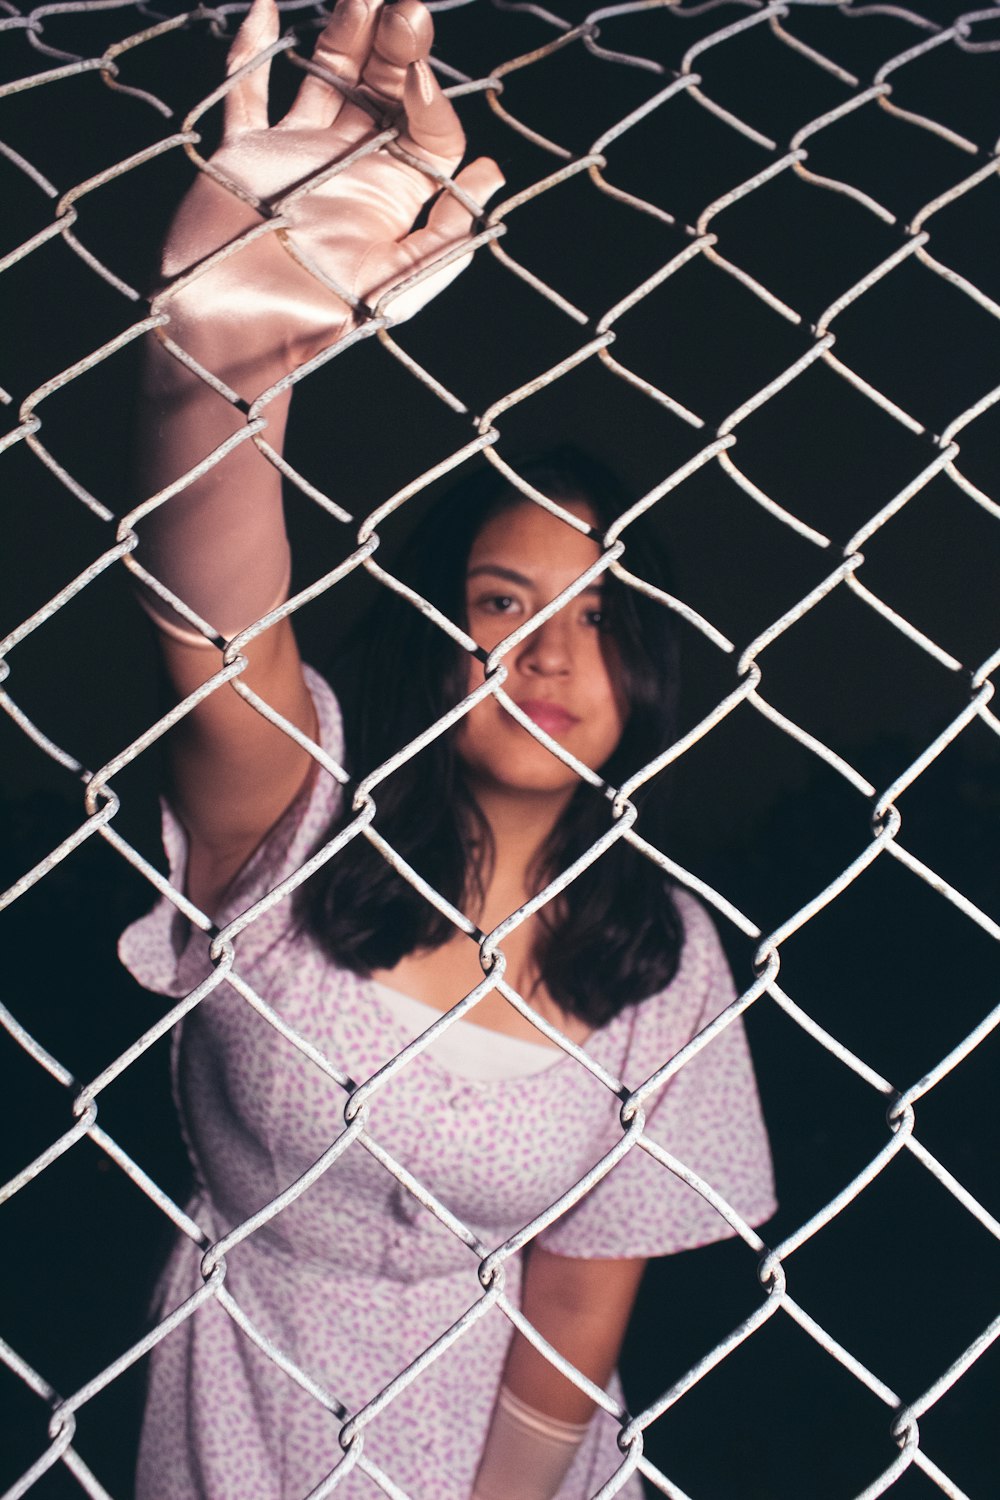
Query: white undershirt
[[467, 1049]]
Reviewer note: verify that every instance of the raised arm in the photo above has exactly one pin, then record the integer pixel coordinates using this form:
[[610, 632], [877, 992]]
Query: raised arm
[[582, 1308], [266, 264]]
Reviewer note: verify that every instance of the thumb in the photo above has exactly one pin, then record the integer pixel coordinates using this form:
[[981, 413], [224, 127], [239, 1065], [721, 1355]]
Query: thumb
[[448, 224], [449, 220]]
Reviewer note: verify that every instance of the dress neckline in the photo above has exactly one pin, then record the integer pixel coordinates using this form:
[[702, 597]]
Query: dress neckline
[[382, 996]]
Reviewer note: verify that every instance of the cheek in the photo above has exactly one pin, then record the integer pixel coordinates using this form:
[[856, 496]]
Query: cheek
[[477, 731], [611, 739], [475, 676]]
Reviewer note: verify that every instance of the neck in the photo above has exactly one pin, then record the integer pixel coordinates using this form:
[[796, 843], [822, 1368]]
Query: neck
[[520, 823]]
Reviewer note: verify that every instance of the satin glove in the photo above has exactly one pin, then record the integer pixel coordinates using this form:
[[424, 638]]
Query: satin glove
[[527, 1454], [273, 304], [254, 315]]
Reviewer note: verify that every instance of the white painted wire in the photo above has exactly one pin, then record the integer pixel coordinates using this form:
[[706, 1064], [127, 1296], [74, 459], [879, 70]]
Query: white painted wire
[[975, 33]]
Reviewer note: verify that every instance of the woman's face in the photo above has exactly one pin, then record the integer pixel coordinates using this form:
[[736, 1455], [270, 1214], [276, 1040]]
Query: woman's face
[[564, 675]]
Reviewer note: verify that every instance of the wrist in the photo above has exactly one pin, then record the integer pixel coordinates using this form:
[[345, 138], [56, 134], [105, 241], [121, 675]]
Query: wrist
[[527, 1453]]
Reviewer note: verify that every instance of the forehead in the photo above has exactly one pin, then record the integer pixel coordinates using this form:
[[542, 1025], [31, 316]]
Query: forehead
[[535, 542]]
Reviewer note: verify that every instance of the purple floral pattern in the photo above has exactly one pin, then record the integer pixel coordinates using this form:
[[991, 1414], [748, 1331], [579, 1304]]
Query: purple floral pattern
[[355, 1278]]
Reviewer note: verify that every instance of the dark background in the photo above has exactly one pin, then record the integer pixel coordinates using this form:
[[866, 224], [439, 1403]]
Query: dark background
[[904, 1277]]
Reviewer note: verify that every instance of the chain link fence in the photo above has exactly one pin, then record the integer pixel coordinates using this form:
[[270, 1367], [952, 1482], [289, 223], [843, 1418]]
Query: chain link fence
[[750, 249]]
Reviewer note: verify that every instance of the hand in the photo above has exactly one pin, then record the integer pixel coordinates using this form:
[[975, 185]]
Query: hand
[[254, 315]]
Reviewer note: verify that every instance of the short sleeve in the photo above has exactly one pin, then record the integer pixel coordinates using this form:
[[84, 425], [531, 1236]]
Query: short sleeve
[[708, 1116], [161, 950]]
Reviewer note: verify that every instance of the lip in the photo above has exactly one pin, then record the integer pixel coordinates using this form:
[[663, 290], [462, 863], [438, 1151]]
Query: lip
[[550, 717]]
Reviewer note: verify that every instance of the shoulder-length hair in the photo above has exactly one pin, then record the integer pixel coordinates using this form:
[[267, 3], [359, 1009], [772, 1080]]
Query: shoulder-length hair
[[613, 936]]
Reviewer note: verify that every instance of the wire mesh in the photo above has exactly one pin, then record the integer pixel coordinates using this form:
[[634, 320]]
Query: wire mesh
[[672, 69]]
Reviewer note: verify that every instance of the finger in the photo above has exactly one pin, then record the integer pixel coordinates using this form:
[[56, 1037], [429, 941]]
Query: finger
[[449, 220], [403, 36], [448, 224], [245, 105], [343, 48], [432, 127]]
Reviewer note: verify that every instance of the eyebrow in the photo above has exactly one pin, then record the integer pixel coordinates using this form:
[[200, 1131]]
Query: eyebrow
[[496, 570]]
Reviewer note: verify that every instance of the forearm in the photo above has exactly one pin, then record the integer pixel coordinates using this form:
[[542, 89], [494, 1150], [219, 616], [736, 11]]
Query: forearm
[[219, 542], [581, 1308], [540, 1418], [586, 1338]]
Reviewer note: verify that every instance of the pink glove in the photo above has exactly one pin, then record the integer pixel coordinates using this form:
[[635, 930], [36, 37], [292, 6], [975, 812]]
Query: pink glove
[[527, 1454], [352, 230], [252, 315]]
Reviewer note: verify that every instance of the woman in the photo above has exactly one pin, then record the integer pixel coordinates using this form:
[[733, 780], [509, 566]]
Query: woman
[[354, 1278]]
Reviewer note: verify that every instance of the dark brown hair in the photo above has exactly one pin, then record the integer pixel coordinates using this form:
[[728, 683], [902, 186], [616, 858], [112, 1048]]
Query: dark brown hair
[[613, 937]]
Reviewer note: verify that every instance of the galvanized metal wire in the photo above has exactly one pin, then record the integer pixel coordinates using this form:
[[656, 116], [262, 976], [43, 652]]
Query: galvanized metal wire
[[687, 79]]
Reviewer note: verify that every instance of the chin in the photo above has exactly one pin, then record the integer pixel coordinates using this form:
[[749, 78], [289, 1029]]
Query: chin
[[513, 762], [525, 776]]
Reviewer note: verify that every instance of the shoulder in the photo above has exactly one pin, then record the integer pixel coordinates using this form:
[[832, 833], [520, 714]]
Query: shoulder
[[330, 732], [701, 948], [306, 823], [702, 985], [163, 952]]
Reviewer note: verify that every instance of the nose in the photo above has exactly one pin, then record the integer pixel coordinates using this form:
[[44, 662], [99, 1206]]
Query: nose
[[548, 651]]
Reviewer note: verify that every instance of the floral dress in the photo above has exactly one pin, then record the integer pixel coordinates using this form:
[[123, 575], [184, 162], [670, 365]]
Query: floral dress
[[354, 1279]]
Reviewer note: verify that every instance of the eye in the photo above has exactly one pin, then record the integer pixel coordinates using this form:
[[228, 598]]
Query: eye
[[598, 618], [496, 604]]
